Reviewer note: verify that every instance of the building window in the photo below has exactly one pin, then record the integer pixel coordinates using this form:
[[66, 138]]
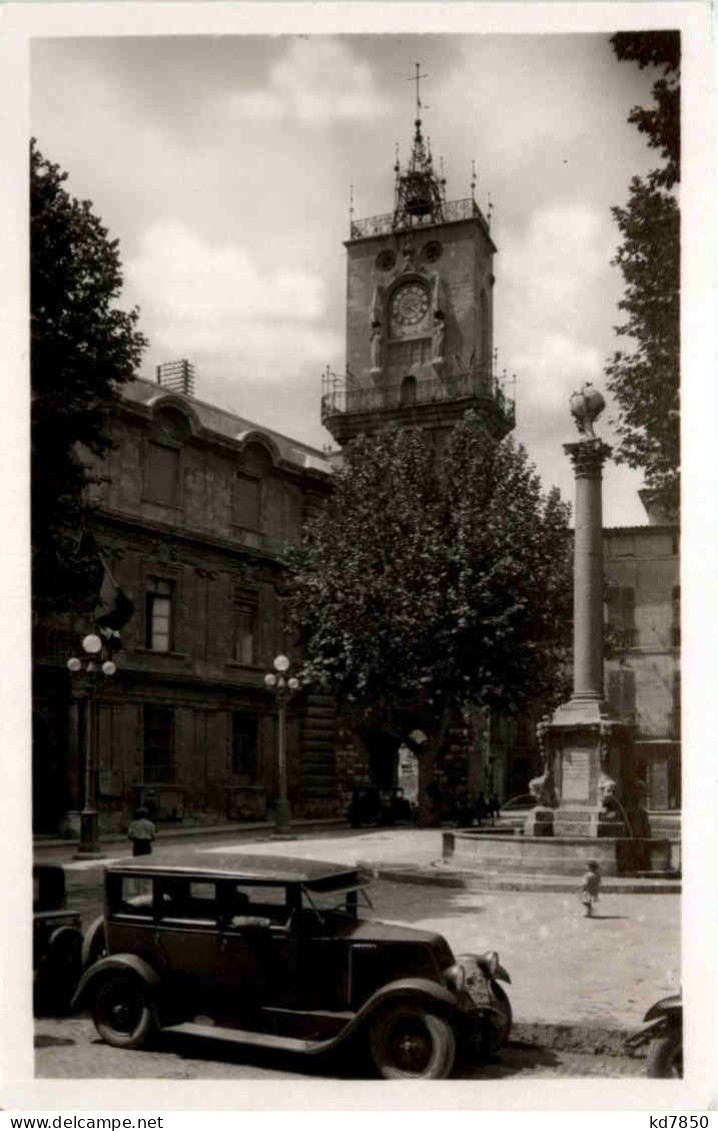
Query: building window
[[620, 615], [407, 355], [408, 391], [158, 614], [485, 330], [246, 505], [676, 617], [158, 763], [244, 744], [676, 713], [622, 691], [162, 474], [245, 627]]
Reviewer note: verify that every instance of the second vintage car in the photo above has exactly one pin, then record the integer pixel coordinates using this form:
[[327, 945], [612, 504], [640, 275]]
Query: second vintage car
[[272, 951]]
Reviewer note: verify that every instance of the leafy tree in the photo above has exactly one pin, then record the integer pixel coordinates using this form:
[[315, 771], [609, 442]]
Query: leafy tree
[[429, 586], [82, 350], [645, 380]]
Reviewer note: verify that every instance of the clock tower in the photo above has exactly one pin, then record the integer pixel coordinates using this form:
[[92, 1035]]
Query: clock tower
[[419, 338]]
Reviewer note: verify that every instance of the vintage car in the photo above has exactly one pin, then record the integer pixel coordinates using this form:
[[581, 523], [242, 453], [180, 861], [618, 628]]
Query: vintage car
[[56, 940], [272, 951]]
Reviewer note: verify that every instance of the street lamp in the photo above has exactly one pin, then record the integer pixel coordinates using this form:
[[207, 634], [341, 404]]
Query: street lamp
[[97, 660], [283, 687]]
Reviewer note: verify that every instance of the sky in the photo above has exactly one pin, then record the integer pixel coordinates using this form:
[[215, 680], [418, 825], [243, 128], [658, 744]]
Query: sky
[[223, 165]]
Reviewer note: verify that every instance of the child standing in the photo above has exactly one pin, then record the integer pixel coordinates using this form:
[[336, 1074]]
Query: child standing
[[141, 833], [590, 884]]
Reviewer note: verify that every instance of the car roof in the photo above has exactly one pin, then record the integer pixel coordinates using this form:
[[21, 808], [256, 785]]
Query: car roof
[[265, 869]]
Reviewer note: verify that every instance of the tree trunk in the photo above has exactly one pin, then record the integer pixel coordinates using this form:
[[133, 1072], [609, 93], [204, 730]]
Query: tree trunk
[[429, 811]]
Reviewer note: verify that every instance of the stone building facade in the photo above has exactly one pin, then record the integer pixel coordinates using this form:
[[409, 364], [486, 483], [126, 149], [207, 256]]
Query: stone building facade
[[195, 507], [642, 679]]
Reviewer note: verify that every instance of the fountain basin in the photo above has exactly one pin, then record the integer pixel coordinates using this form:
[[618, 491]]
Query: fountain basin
[[558, 855]]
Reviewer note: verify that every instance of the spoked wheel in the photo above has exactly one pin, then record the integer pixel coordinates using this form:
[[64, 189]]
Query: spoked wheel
[[409, 1042], [504, 1007], [122, 1012], [665, 1057]]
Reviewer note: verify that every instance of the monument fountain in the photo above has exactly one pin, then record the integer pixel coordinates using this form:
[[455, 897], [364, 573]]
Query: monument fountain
[[587, 800]]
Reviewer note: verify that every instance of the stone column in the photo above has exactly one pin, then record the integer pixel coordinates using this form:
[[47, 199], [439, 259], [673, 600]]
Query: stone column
[[588, 457], [582, 743]]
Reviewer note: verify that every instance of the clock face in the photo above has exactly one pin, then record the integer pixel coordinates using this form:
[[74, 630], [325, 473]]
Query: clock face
[[409, 305]]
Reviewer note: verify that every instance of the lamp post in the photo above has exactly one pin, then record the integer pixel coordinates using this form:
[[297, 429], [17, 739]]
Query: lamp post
[[97, 660], [284, 687]]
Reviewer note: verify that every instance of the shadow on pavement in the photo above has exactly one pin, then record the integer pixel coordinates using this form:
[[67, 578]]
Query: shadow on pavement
[[44, 1041], [514, 1057], [352, 1064]]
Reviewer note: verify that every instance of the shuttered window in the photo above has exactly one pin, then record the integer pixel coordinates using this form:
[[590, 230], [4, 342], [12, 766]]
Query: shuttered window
[[245, 626], [622, 691], [162, 474], [246, 505], [158, 761], [244, 744]]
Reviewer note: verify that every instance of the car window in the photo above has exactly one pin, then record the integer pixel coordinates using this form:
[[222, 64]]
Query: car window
[[347, 899], [263, 901], [187, 900], [135, 896]]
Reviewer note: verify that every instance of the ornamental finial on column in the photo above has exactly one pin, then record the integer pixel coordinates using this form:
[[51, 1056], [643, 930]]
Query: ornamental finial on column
[[586, 406]]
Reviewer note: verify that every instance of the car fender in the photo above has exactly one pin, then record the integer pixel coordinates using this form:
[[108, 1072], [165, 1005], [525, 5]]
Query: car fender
[[666, 1007], [62, 934], [90, 935], [406, 989], [130, 962]]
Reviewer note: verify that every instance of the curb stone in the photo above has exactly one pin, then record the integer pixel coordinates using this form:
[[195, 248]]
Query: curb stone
[[476, 881]]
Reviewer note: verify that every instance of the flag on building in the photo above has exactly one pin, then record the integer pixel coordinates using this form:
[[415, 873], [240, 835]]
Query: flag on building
[[114, 608]]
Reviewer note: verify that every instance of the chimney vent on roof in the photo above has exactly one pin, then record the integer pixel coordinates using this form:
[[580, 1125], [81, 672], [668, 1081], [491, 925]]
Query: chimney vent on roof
[[178, 376]]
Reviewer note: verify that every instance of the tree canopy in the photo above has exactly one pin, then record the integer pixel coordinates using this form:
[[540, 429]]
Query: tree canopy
[[82, 349], [428, 585], [645, 379]]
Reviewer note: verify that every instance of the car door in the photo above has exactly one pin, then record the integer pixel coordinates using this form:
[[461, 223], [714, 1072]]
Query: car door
[[258, 945], [187, 940], [130, 923]]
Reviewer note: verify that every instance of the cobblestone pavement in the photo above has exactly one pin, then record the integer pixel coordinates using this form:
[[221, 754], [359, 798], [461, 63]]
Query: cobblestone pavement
[[70, 1048]]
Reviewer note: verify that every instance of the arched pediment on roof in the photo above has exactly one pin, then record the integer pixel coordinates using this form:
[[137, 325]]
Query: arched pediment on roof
[[173, 417], [259, 452]]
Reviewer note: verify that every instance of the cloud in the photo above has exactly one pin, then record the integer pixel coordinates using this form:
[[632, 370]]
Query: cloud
[[315, 81], [198, 298]]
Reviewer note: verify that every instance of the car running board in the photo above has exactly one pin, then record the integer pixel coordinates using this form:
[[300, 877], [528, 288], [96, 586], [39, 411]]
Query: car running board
[[247, 1037]]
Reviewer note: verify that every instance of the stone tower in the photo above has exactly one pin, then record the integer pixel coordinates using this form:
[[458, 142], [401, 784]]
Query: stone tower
[[419, 339]]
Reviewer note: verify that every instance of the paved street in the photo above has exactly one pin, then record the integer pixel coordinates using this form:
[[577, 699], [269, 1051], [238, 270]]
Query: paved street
[[601, 973], [70, 1048]]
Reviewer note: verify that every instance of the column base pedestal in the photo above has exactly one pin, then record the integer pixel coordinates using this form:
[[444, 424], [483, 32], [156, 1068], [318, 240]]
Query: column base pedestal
[[587, 822], [539, 822]]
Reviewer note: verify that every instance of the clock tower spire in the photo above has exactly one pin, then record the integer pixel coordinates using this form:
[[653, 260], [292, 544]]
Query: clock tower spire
[[419, 192], [419, 311]]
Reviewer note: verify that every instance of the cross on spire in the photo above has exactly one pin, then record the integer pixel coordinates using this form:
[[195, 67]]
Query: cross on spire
[[417, 78]]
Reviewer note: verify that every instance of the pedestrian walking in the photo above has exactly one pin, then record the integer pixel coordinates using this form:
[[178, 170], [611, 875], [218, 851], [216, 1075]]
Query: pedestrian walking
[[141, 832], [590, 884]]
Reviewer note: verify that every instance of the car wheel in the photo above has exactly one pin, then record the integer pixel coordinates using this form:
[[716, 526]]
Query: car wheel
[[507, 1017], [122, 1011], [665, 1057], [410, 1042]]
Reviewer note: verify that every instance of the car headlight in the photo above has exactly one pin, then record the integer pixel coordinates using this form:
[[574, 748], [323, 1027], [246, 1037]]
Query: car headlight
[[455, 977], [489, 963]]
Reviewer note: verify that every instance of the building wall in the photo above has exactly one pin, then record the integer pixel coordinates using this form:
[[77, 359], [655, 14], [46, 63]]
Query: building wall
[[214, 549], [642, 668]]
